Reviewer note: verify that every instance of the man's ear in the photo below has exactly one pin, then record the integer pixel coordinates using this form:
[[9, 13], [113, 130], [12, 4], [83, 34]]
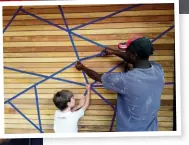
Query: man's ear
[[135, 54], [133, 57]]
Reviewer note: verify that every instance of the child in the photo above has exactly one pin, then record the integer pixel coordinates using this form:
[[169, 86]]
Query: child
[[67, 117]]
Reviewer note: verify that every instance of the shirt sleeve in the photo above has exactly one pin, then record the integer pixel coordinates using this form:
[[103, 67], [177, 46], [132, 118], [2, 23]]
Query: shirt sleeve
[[79, 113], [113, 81], [159, 68]]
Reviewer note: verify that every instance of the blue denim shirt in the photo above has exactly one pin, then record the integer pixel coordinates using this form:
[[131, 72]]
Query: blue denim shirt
[[139, 95]]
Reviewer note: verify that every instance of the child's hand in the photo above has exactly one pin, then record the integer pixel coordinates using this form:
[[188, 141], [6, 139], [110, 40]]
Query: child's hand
[[87, 97], [88, 86]]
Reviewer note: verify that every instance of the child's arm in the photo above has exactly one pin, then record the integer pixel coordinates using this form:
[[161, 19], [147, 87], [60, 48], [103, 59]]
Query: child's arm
[[81, 103], [88, 97]]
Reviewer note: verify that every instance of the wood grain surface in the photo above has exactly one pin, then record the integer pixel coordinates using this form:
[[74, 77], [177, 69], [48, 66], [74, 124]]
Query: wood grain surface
[[34, 46]]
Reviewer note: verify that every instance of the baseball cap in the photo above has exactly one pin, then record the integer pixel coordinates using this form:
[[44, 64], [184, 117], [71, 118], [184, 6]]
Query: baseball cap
[[141, 45]]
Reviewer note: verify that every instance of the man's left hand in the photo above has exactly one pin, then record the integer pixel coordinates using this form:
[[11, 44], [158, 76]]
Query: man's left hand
[[79, 66]]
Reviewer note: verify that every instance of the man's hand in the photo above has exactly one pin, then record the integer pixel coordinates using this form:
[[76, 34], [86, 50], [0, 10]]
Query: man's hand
[[107, 51], [91, 73], [79, 66]]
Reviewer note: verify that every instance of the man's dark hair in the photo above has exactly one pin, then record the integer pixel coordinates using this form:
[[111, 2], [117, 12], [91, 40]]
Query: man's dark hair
[[61, 99]]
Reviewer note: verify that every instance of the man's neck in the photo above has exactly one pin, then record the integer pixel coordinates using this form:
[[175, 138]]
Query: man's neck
[[142, 64]]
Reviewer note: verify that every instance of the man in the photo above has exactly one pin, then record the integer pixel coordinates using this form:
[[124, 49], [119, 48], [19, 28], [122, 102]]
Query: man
[[139, 89]]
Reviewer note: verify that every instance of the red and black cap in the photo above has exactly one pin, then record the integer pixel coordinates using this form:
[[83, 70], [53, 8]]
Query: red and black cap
[[142, 46]]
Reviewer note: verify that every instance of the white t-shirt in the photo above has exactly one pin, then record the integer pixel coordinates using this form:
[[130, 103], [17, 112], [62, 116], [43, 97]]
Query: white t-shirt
[[65, 122]]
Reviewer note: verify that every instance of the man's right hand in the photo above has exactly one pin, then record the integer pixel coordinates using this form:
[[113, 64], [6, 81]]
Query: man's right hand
[[107, 51]]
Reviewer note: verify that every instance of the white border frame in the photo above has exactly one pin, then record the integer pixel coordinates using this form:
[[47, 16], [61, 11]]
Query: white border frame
[[100, 134]]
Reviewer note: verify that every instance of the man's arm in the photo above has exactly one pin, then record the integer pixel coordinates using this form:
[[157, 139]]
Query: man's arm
[[91, 73], [109, 51], [121, 55], [111, 81]]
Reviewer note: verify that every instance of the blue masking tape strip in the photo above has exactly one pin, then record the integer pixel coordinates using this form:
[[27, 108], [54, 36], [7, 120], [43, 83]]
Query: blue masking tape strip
[[71, 39], [70, 36], [85, 93], [97, 86], [169, 83], [85, 77], [38, 83], [38, 109], [163, 33], [68, 81], [91, 41], [115, 67], [39, 18], [44, 76], [13, 17], [105, 100], [113, 119], [25, 72], [89, 57], [108, 16], [93, 83], [91, 87], [24, 116], [55, 25]]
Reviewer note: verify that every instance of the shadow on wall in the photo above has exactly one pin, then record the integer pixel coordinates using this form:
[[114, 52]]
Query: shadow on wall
[[28, 141]]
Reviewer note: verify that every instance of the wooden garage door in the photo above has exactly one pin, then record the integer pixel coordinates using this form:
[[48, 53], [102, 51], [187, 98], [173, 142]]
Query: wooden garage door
[[37, 46]]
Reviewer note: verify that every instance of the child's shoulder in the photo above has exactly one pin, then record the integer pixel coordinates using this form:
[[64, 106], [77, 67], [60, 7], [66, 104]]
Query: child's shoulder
[[59, 112]]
